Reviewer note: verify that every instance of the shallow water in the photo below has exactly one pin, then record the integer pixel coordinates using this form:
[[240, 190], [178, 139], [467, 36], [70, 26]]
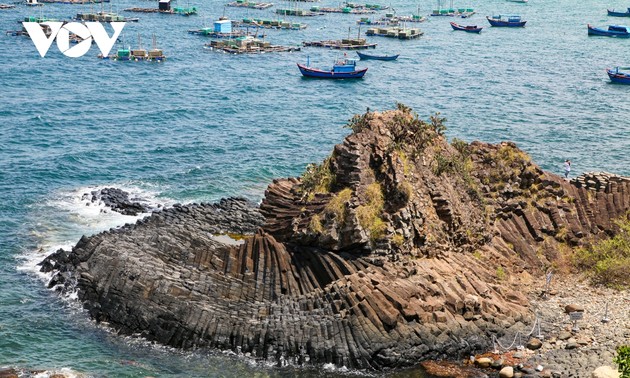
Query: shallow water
[[206, 125]]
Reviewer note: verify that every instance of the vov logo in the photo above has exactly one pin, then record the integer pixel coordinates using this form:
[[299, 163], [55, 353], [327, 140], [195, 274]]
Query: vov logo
[[61, 31]]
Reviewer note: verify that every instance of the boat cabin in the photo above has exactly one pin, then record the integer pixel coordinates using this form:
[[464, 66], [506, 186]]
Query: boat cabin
[[223, 26], [123, 54], [139, 53], [346, 65], [618, 28], [164, 5], [507, 18]]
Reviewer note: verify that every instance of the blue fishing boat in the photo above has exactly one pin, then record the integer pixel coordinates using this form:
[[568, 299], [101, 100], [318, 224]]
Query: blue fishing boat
[[342, 69], [364, 56], [616, 75], [506, 21], [466, 28], [613, 13], [612, 31]]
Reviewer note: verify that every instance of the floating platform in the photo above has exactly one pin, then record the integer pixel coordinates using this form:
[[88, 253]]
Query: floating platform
[[451, 12], [247, 45], [103, 17], [73, 1], [395, 32], [342, 44], [210, 32], [182, 11], [345, 10], [138, 55], [249, 4], [374, 7], [367, 21], [269, 24], [298, 12]]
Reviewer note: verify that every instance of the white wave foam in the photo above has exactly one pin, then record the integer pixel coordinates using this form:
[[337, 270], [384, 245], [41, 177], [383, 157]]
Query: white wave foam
[[68, 215], [66, 372]]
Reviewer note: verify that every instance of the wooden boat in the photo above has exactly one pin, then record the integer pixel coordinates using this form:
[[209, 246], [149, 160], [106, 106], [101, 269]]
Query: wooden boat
[[506, 21], [616, 75], [466, 28], [619, 31], [613, 13], [364, 56], [342, 69]]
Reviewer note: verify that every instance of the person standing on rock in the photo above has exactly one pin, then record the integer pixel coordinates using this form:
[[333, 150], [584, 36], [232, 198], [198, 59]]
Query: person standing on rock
[[567, 168]]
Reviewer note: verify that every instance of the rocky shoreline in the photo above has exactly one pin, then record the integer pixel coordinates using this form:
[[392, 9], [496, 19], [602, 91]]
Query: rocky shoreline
[[398, 248], [557, 349]]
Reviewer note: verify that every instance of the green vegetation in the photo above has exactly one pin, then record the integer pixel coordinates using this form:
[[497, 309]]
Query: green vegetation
[[369, 215], [406, 190], [359, 122], [398, 239], [477, 255], [317, 179], [337, 205], [608, 261], [411, 133], [562, 233], [501, 275], [460, 164], [315, 225], [405, 162], [623, 361]]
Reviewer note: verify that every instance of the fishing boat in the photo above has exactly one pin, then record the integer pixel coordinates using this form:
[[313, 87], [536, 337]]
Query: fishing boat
[[506, 21], [613, 13], [342, 69], [466, 28], [33, 3], [618, 76], [612, 31], [364, 56]]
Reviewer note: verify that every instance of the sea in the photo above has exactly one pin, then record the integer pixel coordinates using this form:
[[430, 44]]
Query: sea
[[204, 125]]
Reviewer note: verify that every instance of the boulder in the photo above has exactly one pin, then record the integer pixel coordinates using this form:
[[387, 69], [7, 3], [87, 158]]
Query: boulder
[[484, 362], [534, 344], [506, 372], [564, 335], [573, 308], [605, 372]]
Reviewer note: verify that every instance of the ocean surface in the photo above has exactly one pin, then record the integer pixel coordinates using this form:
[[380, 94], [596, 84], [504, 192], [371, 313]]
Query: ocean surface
[[206, 125]]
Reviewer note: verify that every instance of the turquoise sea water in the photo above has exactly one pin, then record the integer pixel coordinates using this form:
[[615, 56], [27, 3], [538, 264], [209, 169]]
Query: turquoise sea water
[[206, 125]]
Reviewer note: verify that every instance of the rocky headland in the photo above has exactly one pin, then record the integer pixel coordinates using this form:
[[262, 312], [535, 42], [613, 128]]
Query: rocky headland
[[400, 247]]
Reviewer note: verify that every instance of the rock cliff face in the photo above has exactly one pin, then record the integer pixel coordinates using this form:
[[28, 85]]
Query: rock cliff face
[[397, 248]]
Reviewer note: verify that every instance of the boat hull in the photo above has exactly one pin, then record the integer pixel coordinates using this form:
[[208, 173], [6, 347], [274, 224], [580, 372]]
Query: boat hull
[[377, 57], [469, 29], [506, 24], [606, 33], [618, 14], [321, 74], [618, 77]]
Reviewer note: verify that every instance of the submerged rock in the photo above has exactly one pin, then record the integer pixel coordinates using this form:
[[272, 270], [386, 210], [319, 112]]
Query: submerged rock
[[400, 247], [120, 201]]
